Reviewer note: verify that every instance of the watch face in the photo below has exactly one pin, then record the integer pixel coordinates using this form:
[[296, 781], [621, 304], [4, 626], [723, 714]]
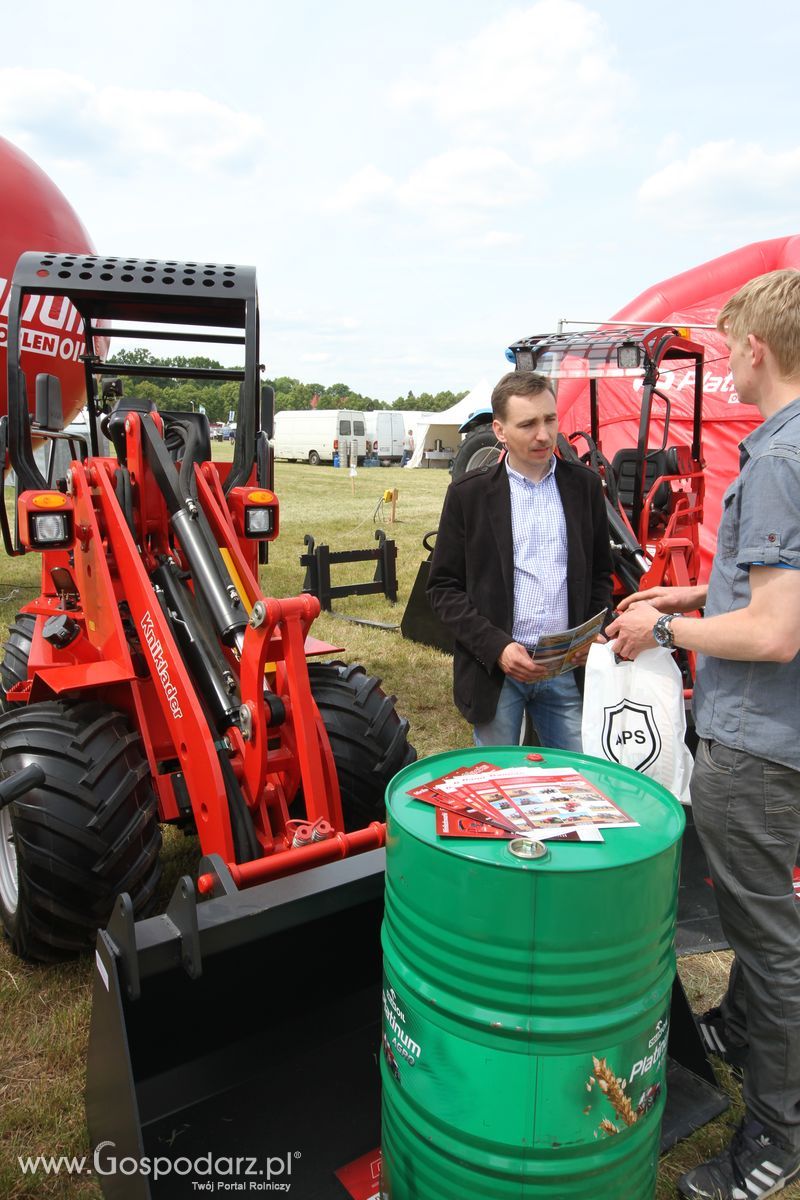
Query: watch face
[[662, 633]]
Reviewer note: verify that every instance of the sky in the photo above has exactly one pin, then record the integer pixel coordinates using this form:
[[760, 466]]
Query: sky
[[417, 184]]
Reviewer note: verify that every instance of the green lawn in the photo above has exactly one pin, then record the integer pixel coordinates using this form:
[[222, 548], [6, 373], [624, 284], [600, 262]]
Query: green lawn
[[46, 1011]]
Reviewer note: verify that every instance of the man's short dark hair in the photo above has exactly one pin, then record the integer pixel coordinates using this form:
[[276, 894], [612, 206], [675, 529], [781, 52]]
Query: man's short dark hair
[[518, 383]]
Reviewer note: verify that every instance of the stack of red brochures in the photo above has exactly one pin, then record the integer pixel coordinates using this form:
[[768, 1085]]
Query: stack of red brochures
[[485, 801]]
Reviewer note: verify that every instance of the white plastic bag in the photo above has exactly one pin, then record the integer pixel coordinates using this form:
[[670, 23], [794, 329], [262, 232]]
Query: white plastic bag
[[633, 714]]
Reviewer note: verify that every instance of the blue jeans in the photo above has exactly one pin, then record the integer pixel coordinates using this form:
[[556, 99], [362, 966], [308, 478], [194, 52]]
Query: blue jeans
[[554, 706]]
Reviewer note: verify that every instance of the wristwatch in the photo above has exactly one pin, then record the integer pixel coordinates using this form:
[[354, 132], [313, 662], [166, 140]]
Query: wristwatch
[[662, 631]]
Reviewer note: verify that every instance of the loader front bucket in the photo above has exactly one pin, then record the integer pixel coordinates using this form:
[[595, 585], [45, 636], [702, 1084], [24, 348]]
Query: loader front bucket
[[233, 1043]]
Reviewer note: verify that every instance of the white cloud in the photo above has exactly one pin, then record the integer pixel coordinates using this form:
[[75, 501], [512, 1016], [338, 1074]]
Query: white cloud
[[65, 117], [726, 181], [469, 177], [456, 191], [669, 147], [535, 87], [322, 324], [540, 78], [363, 189], [498, 237]]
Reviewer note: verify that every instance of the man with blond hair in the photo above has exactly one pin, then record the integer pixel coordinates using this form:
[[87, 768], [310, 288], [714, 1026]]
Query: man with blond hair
[[746, 780]]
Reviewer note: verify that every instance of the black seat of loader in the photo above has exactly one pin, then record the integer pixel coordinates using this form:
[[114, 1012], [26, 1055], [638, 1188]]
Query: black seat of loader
[[113, 426], [657, 463]]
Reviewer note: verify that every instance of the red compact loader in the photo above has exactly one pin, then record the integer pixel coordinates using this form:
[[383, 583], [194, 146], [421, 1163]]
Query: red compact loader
[[152, 681]]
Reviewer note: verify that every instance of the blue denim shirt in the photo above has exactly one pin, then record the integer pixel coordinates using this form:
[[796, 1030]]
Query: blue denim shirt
[[755, 706]]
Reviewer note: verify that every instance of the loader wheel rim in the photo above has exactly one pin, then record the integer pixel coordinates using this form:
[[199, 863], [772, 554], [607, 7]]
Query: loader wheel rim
[[480, 449], [9, 877], [486, 456]]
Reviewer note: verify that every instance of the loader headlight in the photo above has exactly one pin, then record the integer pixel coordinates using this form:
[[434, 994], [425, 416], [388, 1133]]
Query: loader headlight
[[259, 522], [45, 520], [47, 528], [255, 513]]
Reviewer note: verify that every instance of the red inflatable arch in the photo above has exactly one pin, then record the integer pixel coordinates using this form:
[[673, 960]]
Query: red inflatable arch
[[694, 299], [34, 215]]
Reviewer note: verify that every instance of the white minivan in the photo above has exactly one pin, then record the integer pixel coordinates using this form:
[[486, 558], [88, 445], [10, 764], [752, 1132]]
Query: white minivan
[[385, 433], [316, 435]]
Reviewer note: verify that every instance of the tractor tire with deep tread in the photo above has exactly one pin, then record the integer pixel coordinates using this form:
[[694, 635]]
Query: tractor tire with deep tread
[[479, 449], [89, 832], [16, 652], [368, 739]]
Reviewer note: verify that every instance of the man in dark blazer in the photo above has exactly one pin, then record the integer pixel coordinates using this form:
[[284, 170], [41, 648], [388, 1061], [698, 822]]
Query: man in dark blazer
[[522, 550]]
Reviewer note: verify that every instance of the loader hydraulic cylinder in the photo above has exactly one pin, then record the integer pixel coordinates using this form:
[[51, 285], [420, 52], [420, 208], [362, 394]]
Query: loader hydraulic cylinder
[[205, 661], [188, 521], [223, 604]]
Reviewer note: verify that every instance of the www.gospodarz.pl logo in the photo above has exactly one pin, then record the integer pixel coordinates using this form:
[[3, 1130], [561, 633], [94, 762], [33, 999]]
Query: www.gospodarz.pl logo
[[214, 1173]]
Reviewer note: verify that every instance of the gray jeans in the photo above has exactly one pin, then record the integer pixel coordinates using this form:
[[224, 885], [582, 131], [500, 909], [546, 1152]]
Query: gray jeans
[[747, 814]]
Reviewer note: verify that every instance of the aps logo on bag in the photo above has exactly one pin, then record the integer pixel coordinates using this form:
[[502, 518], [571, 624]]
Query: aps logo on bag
[[630, 735]]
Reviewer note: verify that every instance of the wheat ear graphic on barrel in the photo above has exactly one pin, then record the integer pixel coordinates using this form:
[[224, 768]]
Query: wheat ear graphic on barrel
[[613, 1089]]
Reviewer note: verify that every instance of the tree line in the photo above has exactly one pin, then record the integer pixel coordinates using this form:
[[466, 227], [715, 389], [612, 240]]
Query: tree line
[[217, 399]]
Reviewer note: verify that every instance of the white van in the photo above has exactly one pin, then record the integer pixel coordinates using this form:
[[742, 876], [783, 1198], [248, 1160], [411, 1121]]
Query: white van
[[385, 433], [314, 436]]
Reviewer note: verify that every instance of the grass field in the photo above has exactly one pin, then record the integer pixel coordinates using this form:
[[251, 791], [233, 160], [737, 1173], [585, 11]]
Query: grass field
[[45, 1012]]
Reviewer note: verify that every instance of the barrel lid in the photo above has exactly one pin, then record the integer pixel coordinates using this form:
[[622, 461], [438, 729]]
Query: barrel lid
[[659, 815]]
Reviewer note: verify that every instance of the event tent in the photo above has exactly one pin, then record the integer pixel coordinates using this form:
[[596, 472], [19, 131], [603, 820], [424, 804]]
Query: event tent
[[437, 433]]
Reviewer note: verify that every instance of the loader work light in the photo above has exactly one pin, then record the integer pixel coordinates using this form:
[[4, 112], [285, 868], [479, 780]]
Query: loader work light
[[258, 522], [45, 520], [629, 355], [255, 513], [51, 527]]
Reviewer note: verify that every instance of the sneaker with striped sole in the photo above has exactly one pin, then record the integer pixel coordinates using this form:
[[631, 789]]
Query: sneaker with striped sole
[[752, 1167]]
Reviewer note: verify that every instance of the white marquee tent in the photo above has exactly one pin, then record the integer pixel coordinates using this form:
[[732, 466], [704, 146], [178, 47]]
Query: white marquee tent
[[436, 434]]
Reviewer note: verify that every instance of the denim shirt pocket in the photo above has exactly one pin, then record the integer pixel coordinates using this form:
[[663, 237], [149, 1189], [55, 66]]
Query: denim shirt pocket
[[728, 535]]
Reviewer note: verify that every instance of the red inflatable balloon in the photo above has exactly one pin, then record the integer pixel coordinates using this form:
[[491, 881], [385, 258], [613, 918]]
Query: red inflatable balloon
[[34, 215]]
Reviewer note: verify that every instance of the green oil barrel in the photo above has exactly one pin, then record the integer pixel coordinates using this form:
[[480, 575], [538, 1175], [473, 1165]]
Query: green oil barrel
[[526, 1001]]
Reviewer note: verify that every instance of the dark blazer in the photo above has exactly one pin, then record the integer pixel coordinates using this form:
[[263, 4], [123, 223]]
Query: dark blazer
[[471, 580]]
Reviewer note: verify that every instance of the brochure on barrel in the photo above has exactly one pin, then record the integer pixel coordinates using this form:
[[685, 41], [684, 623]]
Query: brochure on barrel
[[540, 802], [451, 824], [465, 805]]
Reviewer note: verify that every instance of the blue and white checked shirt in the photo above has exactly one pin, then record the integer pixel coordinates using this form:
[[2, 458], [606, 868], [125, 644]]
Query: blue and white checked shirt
[[539, 533]]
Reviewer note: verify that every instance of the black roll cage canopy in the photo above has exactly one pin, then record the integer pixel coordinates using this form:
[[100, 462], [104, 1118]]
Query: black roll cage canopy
[[147, 291], [633, 352]]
